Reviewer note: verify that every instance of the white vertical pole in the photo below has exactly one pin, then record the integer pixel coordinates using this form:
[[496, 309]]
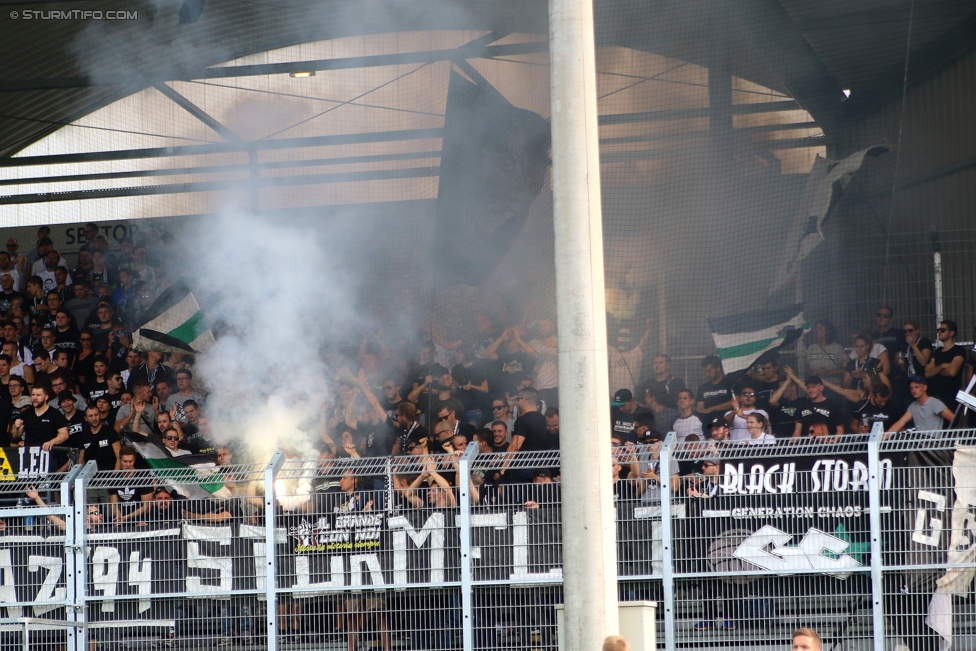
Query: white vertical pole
[[467, 576], [271, 547], [588, 532], [937, 272]]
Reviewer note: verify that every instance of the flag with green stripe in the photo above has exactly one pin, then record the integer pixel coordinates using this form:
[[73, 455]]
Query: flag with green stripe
[[194, 476], [174, 323], [742, 338]]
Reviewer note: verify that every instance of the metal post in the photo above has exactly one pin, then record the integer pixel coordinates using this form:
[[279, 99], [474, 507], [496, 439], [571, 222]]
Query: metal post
[[874, 504], [589, 548], [271, 582], [467, 594], [667, 542], [80, 549], [937, 272], [75, 640]]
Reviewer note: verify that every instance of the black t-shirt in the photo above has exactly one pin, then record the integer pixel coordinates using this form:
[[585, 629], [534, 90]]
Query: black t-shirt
[[76, 426], [377, 440], [6, 300], [67, 340], [6, 413], [41, 429], [98, 446], [474, 374], [198, 443], [783, 418], [671, 387], [826, 411], [531, 426], [893, 340], [714, 394], [912, 365], [623, 423], [510, 368], [865, 412], [130, 495], [413, 434], [93, 389], [765, 390], [944, 387], [869, 365]]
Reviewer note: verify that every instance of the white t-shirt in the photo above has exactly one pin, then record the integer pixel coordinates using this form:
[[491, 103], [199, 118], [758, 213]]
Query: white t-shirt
[[876, 350], [738, 430], [685, 426], [765, 439]]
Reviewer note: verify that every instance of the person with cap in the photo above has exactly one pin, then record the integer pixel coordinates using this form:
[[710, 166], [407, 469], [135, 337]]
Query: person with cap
[[817, 408], [645, 429], [926, 412], [625, 358], [707, 484], [623, 409], [719, 431], [742, 405], [715, 393]]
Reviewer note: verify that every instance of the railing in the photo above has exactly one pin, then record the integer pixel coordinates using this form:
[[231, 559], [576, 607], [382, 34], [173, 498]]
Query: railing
[[865, 540]]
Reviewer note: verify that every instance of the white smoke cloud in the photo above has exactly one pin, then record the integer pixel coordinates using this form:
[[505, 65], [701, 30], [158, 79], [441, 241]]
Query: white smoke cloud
[[284, 297]]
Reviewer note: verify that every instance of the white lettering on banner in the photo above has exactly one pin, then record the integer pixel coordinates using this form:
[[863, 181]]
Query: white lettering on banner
[[8, 587], [140, 577], [34, 462], [49, 590], [337, 571], [224, 565], [808, 554], [928, 529], [434, 529], [760, 479], [520, 552], [105, 574], [372, 563]]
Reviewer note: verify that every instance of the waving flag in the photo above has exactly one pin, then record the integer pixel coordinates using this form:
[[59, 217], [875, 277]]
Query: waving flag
[[175, 324], [742, 338], [825, 186], [194, 476]]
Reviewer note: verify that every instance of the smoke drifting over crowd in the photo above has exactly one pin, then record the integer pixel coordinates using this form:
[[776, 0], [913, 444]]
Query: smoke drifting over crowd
[[275, 306]]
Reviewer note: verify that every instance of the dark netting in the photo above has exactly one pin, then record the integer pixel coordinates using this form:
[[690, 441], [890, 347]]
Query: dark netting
[[329, 231]]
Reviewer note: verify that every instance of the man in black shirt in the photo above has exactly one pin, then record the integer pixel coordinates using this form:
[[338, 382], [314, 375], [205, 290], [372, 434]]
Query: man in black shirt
[[817, 408], [766, 382], [715, 393], [669, 384], [529, 433], [43, 426], [944, 370], [131, 499], [499, 436], [623, 410], [513, 359], [75, 418], [876, 408], [892, 339], [784, 406], [100, 443]]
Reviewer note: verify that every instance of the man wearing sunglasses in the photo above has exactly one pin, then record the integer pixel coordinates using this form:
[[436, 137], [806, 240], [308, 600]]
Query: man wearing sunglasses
[[944, 370], [743, 404]]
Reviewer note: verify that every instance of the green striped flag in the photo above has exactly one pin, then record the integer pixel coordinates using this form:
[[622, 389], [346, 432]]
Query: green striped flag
[[742, 338], [194, 476], [175, 323]]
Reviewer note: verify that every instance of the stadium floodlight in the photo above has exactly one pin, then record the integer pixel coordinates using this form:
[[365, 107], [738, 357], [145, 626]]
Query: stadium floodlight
[[190, 11]]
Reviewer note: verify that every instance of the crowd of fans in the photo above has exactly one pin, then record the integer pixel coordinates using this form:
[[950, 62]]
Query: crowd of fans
[[69, 379]]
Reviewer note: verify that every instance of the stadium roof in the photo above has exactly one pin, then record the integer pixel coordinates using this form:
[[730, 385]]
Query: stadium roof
[[382, 71]]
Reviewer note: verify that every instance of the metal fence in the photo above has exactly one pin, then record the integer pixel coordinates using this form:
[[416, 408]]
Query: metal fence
[[868, 540]]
